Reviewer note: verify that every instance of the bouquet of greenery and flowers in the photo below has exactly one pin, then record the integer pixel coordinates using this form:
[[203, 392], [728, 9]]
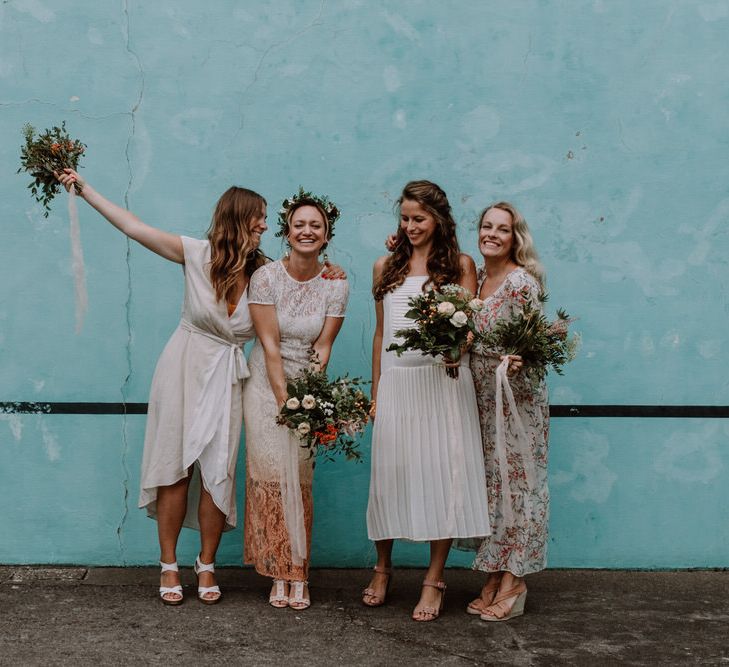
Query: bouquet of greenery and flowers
[[540, 343], [326, 415], [51, 151], [443, 320]]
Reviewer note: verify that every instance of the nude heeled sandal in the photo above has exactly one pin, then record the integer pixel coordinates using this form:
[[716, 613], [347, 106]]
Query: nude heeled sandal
[[370, 592], [167, 590], [432, 612], [204, 590], [486, 598], [517, 609], [297, 600], [279, 599]]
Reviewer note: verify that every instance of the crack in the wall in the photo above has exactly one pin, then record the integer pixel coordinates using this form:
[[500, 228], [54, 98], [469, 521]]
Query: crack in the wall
[[128, 303], [316, 21]]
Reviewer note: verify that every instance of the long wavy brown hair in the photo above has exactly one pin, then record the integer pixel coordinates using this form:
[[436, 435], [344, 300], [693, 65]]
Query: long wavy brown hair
[[443, 261], [232, 249]]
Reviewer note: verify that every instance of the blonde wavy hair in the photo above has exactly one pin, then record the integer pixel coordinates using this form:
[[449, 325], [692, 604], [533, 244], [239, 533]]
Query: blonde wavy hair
[[523, 251], [232, 250], [443, 262]]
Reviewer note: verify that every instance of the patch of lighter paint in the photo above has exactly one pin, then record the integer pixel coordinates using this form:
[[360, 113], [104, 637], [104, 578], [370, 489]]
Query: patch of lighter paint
[[294, 68], [400, 119], [709, 349], [507, 167], [401, 26], [392, 78], [15, 423], [50, 442], [702, 241], [142, 154], [177, 26], [627, 260], [565, 394], [647, 346], [36, 9], [713, 11], [74, 98], [6, 69], [631, 204], [599, 7], [589, 479], [692, 456], [481, 123], [671, 339], [94, 36], [38, 384], [193, 126]]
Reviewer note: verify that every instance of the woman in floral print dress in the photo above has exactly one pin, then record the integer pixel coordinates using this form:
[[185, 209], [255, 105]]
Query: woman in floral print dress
[[510, 277]]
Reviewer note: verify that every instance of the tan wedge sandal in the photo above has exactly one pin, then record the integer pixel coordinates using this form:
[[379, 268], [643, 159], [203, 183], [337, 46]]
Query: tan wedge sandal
[[498, 611], [488, 593]]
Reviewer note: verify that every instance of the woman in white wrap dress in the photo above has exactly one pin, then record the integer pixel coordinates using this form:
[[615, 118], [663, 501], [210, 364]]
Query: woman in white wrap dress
[[296, 311], [195, 404], [427, 466]]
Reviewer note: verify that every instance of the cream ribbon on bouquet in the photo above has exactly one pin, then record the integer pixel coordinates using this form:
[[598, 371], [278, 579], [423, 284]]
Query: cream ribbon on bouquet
[[522, 443], [77, 261], [293, 505]]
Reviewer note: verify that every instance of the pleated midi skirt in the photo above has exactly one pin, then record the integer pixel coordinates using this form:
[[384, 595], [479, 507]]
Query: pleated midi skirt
[[427, 480]]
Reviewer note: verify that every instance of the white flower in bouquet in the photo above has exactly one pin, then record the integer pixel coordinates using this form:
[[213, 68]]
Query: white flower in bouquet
[[308, 402], [303, 428], [459, 319], [476, 304], [292, 403], [446, 308]]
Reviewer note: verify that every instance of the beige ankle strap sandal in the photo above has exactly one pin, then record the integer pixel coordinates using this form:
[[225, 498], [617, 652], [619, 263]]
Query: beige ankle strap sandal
[[170, 595], [212, 592]]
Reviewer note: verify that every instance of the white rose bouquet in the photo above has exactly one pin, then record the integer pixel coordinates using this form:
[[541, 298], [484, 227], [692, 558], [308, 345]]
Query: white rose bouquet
[[443, 320], [327, 416]]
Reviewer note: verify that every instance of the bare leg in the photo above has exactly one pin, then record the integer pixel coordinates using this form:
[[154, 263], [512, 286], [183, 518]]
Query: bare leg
[[379, 580], [171, 509], [212, 522], [430, 597]]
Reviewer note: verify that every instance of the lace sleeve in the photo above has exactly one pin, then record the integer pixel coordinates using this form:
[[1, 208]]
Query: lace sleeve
[[261, 288], [337, 298]]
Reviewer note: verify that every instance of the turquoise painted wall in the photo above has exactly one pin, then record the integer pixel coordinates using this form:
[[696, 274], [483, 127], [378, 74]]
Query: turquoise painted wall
[[605, 121]]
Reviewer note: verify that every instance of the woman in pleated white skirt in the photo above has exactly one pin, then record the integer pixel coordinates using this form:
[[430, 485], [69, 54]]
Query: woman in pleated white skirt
[[427, 464]]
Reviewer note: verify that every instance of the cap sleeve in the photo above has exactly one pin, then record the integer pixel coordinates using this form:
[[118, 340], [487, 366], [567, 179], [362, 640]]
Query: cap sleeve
[[261, 289], [338, 297]]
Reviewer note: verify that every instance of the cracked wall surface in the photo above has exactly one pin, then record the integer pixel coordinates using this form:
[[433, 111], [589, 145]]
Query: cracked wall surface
[[604, 122]]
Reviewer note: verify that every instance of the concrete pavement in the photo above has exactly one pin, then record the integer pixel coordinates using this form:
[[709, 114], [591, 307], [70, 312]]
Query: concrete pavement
[[110, 616]]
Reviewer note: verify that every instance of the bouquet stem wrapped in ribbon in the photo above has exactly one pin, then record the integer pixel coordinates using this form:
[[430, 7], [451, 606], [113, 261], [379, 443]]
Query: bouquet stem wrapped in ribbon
[[327, 416], [443, 321], [542, 345], [42, 157]]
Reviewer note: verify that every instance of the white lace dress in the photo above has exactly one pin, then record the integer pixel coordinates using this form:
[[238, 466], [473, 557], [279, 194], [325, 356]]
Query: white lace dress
[[427, 480], [279, 474], [195, 405]]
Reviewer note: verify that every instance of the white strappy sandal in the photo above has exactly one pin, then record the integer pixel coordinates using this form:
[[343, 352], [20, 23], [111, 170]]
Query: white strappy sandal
[[170, 590], [202, 591], [279, 599], [297, 600]]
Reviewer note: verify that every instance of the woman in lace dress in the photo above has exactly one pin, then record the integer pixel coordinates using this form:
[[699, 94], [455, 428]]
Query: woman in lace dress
[[195, 405], [519, 512], [427, 467], [295, 312]]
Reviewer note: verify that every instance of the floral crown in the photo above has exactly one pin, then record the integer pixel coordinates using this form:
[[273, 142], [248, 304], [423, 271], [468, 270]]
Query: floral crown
[[301, 198]]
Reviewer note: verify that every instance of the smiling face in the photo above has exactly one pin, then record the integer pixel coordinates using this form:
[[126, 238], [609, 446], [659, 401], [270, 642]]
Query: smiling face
[[417, 223], [307, 231], [257, 226], [496, 234]]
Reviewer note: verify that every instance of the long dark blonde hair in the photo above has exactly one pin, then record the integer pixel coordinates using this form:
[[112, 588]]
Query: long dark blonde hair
[[232, 250], [443, 263], [523, 251]]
